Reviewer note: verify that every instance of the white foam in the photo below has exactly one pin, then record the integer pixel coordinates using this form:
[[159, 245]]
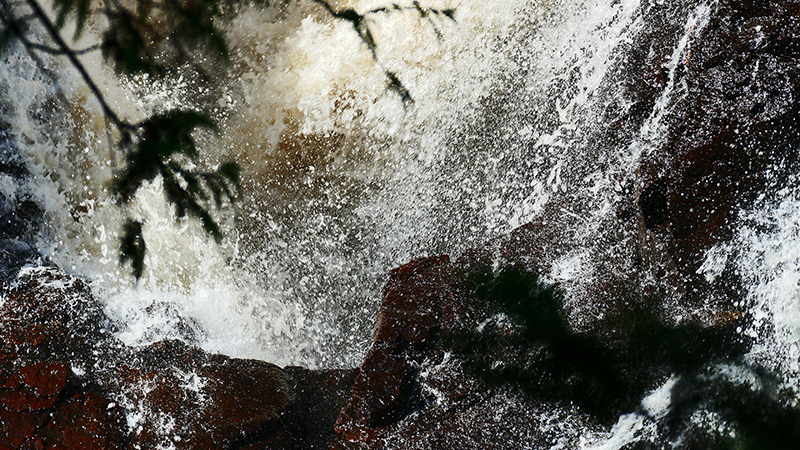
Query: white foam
[[629, 428], [657, 404], [768, 258]]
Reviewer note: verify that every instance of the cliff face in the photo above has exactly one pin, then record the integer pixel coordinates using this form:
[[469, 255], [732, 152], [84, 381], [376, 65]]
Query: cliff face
[[731, 136]]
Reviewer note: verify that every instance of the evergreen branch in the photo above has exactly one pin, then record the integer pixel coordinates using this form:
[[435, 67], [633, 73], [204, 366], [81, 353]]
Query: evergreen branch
[[24, 18], [15, 26], [18, 32], [80, 9], [424, 13], [396, 86], [154, 146], [361, 26], [449, 13]]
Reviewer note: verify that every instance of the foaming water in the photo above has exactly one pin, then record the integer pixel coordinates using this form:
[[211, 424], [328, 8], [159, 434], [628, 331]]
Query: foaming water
[[341, 183], [766, 252]]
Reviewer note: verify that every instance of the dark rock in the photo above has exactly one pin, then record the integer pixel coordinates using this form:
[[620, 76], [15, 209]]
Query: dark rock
[[23, 222], [410, 392], [214, 401], [320, 397], [84, 421], [19, 429], [413, 303], [210, 401], [33, 388], [654, 204], [735, 133], [62, 322]]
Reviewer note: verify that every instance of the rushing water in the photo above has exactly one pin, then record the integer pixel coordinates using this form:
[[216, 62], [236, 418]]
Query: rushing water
[[342, 184]]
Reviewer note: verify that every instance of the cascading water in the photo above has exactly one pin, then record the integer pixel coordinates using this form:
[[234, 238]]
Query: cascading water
[[341, 183]]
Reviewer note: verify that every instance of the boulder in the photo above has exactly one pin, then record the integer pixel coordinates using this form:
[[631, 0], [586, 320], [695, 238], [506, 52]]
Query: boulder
[[411, 392], [41, 407], [46, 315], [414, 304], [67, 383]]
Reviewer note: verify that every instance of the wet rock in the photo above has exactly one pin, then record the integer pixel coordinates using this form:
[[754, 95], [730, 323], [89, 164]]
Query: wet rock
[[186, 398], [411, 311], [173, 394], [33, 388], [66, 382], [320, 397], [39, 410], [85, 421], [183, 397], [49, 316], [410, 392], [49, 327], [735, 133]]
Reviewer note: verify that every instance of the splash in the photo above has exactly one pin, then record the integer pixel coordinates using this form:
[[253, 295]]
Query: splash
[[341, 183], [765, 253]]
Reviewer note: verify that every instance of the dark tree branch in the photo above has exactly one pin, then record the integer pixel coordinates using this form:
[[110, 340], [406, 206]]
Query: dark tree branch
[[361, 26], [56, 51], [12, 27], [73, 58]]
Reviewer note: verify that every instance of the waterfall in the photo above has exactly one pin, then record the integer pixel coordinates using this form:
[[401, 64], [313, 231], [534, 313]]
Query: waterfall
[[341, 183], [513, 103]]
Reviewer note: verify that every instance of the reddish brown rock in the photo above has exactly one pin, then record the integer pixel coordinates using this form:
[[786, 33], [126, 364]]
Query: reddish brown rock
[[49, 316], [411, 300], [34, 414], [34, 388], [416, 297], [173, 394], [213, 401], [244, 398], [321, 395], [18, 428], [410, 393], [208, 401], [84, 421]]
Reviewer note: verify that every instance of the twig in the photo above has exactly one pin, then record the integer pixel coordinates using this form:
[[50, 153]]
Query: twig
[[364, 32], [72, 56], [55, 51], [6, 16]]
